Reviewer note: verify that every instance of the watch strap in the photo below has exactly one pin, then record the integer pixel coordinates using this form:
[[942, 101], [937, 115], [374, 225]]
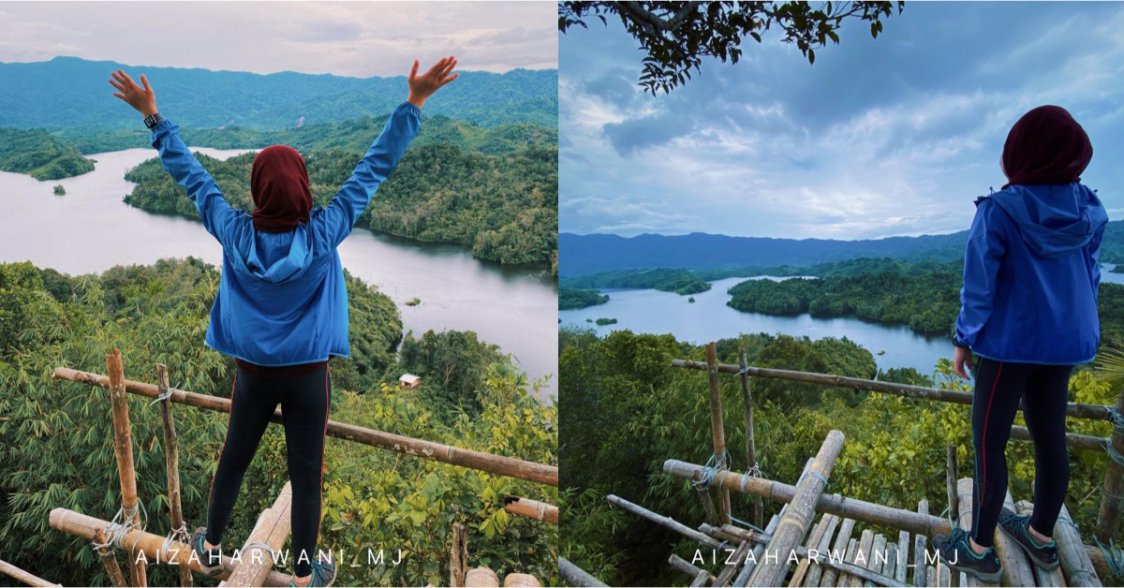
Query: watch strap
[[152, 120]]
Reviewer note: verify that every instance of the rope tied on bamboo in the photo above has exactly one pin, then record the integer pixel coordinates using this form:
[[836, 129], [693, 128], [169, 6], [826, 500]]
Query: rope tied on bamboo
[[1118, 424], [179, 534], [166, 395], [1113, 556], [716, 463], [121, 525]]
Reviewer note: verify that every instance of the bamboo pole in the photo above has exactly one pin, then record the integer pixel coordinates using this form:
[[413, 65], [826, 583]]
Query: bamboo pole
[[496, 464], [890, 565], [458, 560], [750, 436], [172, 463], [1112, 496], [862, 556], [700, 580], [1078, 568], [867, 512], [663, 521], [109, 560], [1075, 410], [812, 542], [903, 556], [852, 548], [730, 569], [838, 551], [802, 510], [708, 504], [268, 537], [920, 546], [687, 568], [139, 542], [801, 552], [1016, 566], [123, 450], [717, 432], [22, 575], [521, 581], [481, 578], [878, 557], [747, 570], [532, 509], [950, 477], [575, 576], [815, 571]]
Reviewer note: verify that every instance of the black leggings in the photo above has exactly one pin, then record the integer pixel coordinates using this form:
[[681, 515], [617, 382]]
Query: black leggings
[[1043, 390], [304, 393]]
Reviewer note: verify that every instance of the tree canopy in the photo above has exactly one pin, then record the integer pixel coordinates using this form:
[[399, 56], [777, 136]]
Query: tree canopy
[[677, 36]]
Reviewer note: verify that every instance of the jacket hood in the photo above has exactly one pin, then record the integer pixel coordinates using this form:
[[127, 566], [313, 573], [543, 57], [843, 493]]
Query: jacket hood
[[1053, 219], [288, 265]]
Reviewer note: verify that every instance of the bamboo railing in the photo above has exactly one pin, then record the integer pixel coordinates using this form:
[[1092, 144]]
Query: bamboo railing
[[23, 576], [268, 537], [496, 464]]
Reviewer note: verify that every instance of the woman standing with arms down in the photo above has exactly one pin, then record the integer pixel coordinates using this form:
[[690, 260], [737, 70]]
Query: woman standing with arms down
[[281, 306], [1029, 314]]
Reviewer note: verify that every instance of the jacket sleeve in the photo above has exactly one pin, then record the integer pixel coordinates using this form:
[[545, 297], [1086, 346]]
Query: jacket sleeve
[[982, 257], [348, 205], [217, 215], [1095, 256]]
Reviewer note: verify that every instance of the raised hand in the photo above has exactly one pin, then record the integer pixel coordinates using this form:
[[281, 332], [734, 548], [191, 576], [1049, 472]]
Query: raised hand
[[141, 98], [425, 85]]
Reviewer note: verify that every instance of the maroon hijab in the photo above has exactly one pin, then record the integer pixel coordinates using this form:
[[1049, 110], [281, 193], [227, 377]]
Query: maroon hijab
[[1046, 146], [279, 185]]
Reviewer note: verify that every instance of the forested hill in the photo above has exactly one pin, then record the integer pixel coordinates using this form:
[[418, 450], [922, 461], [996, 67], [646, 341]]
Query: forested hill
[[38, 154], [71, 93], [586, 254], [493, 190]]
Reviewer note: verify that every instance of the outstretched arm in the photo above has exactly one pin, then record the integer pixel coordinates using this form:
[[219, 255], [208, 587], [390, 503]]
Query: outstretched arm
[[213, 208], [349, 203]]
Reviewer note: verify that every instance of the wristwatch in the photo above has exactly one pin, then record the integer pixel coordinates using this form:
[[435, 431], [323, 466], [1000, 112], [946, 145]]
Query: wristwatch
[[152, 120]]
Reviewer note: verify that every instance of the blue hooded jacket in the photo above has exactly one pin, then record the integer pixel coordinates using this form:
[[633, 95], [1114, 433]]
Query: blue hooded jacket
[[281, 298], [1031, 273]]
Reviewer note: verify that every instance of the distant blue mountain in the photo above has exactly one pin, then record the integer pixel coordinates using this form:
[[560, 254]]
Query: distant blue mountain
[[586, 254], [72, 93]]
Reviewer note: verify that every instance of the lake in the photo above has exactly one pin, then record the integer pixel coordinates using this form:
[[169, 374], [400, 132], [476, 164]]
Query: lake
[[91, 229], [709, 319]]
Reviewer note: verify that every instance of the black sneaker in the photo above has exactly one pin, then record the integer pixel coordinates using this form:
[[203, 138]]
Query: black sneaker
[[1017, 528], [958, 555], [209, 559], [323, 575]]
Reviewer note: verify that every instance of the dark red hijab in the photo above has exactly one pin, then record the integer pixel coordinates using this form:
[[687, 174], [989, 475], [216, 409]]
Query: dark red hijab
[[279, 185], [1046, 146]]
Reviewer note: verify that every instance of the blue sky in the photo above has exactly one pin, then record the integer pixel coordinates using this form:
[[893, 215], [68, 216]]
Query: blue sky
[[881, 137], [343, 38]]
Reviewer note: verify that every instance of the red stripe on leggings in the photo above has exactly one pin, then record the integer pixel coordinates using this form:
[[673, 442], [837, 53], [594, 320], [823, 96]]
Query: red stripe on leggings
[[983, 440]]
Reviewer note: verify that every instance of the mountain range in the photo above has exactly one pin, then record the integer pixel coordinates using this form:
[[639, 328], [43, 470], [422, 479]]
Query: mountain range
[[73, 93], [588, 254]]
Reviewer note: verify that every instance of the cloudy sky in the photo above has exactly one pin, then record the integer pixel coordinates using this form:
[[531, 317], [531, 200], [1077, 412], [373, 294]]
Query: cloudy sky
[[894, 136], [344, 38]]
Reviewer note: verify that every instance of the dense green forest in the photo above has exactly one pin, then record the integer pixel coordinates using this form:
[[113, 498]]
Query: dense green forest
[[624, 411], [67, 92], [38, 154], [494, 190], [56, 448], [679, 281], [570, 298]]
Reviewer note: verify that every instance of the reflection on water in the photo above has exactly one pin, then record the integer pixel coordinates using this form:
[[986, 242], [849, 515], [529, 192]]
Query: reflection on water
[[90, 230], [709, 319]]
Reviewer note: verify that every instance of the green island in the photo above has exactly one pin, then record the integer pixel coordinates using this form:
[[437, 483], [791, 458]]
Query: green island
[[493, 190], [680, 281], [59, 190], [472, 396], [573, 298], [601, 322], [626, 410], [37, 153]]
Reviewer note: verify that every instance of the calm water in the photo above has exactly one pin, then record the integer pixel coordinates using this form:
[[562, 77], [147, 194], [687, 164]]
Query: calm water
[[708, 319], [90, 230]]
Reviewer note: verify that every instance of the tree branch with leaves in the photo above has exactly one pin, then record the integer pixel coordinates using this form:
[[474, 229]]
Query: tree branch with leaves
[[677, 36]]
